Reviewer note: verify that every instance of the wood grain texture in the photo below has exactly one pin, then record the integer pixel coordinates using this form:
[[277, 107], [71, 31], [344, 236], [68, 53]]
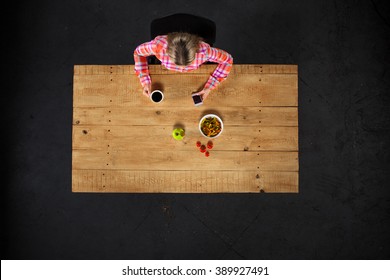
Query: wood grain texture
[[206, 181], [122, 142], [241, 116], [252, 138]]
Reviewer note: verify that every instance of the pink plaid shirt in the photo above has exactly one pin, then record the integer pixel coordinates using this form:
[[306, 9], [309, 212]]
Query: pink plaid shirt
[[158, 48]]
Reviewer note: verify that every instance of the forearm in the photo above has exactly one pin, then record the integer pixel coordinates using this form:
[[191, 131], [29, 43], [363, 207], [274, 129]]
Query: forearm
[[218, 76], [141, 66], [225, 63], [141, 69]]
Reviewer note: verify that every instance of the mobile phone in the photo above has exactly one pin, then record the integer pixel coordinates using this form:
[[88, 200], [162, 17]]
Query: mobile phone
[[197, 99]]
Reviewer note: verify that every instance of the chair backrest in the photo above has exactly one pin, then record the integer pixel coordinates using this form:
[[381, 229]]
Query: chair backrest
[[181, 22]]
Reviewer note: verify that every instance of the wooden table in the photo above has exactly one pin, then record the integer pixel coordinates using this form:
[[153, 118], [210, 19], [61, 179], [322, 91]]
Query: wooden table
[[122, 141]]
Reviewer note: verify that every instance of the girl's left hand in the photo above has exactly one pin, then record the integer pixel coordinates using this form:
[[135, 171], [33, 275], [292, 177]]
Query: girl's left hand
[[204, 93]]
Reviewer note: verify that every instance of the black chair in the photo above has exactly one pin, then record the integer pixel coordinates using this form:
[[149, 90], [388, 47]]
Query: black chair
[[181, 22], [197, 25]]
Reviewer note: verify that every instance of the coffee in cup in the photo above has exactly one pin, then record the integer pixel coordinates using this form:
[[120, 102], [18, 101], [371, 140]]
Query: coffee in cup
[[157, 96]]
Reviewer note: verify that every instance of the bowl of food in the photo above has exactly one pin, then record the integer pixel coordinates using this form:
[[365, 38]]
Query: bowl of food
[[210, 126]]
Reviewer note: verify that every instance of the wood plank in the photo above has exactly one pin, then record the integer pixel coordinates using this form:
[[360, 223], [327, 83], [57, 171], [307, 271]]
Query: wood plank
[[245, 116], [121, 138], [140, 158], [133, 181], [245, 90], [204, 69]]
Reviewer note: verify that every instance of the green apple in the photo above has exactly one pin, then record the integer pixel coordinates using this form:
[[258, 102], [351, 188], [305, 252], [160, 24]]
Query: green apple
[[178, 133]]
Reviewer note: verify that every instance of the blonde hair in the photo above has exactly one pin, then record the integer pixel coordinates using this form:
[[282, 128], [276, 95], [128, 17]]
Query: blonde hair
[[182, 47]]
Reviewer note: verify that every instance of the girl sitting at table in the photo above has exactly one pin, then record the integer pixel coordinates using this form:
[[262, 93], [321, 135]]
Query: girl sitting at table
[[182, 52]]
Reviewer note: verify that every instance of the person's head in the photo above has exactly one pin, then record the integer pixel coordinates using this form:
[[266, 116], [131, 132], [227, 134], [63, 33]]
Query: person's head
[[182, 47]]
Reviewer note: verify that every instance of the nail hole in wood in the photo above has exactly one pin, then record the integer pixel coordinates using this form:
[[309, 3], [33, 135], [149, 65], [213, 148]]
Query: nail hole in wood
[[85, 132]]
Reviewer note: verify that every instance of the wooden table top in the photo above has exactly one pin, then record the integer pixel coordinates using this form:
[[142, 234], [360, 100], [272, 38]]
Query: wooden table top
[[122, 142]]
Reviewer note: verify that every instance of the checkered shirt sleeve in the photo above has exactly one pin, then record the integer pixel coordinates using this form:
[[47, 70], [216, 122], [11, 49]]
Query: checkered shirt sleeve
[[141, 63], [225, 62]]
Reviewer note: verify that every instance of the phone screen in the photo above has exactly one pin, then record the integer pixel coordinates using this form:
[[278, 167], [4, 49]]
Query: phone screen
[[197, 99]]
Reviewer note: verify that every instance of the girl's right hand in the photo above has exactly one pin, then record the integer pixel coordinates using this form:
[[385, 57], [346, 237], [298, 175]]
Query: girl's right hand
[[147, 90]]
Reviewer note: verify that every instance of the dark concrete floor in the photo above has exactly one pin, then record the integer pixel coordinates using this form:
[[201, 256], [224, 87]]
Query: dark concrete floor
[[342, 210]]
